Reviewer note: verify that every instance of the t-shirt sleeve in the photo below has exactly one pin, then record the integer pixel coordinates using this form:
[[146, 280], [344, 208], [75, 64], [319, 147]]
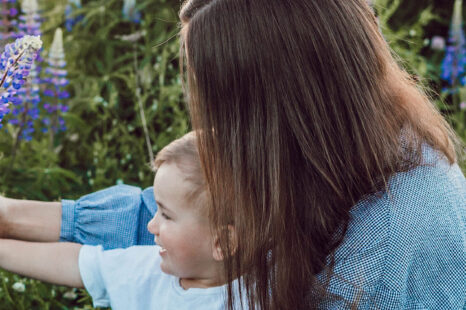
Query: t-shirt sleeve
[[90, 261], [111, 276], [115, 217]]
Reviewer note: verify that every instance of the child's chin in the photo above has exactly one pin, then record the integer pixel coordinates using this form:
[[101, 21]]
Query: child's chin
[[165, 268]]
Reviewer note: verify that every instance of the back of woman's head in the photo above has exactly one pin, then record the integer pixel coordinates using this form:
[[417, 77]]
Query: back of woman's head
[[302, 112]]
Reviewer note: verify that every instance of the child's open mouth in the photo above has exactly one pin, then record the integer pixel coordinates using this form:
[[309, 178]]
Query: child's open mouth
[[162, 249]]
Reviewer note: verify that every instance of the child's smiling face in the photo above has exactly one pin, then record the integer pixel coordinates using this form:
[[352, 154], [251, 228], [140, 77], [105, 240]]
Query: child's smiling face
[[181, 229]]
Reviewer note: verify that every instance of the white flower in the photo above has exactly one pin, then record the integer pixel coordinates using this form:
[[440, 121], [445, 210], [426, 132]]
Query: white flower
[[33, 42], [19, 287], [71, 294], [437, 43]]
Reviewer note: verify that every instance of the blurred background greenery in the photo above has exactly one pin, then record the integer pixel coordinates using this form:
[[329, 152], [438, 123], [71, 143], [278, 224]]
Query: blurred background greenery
[[116, 65]]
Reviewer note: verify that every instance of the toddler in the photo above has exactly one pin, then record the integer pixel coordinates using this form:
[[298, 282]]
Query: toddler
[[183, 271]]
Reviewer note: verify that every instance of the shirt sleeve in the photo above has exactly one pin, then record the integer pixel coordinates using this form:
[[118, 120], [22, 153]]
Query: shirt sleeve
[[406, 250], [93, 279], [115, 217], [118, 276], [425, 261]]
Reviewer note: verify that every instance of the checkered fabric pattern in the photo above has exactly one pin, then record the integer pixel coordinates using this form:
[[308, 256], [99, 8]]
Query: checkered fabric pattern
[[115, 217]]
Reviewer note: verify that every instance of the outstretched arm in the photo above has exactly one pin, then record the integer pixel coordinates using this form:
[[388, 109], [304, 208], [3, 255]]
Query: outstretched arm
[[115, 217], [55, 263], [30, 220]]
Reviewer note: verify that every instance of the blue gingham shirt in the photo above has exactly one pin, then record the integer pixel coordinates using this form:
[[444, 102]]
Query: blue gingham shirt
[[405, 249]]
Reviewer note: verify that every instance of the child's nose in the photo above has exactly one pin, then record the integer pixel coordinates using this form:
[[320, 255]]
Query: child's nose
[[152, 226]]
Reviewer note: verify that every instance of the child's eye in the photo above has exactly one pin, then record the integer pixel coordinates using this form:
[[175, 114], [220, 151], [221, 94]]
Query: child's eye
[[165, 216]]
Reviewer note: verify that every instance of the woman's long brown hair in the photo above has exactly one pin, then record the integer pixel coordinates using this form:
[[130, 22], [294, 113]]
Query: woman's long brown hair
[[301, 111]]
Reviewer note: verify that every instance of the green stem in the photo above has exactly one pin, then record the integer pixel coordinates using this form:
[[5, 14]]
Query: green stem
[[7, 293], [141, 107]]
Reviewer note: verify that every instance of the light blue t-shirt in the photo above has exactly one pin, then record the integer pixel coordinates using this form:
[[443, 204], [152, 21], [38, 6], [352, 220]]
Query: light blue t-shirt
[[131, 278]]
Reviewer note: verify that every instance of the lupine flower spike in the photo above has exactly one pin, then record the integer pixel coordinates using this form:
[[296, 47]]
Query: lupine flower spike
[[56, 80], [30, 19], [70, 18], [26, 109], [8, 24], [130, 12], [15, 64], [454, 63]]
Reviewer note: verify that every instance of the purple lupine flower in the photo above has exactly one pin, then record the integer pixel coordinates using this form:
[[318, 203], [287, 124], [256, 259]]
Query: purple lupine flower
[[26, 111], [130, 12], [70, 18], [454, 63], [15, 64], [56, 79], [29, 20], [8, 23]]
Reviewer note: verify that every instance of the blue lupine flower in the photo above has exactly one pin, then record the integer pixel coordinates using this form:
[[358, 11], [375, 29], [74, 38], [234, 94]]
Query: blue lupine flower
[[26, 110], [70, 18], [454, 63], [56, 79], [15, 64], [130, 12], [8, 25]]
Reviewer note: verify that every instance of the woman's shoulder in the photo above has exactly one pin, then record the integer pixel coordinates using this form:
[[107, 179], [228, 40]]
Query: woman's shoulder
[[430, 195], [434, 182], [408, 243], [427, 223]]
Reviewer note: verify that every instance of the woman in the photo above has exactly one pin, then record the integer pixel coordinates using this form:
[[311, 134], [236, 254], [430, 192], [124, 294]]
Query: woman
[[338, 173]]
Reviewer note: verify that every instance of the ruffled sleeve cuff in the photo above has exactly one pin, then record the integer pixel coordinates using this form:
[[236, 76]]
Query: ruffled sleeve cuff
[[67, 220], [109, 217], [146, 213]]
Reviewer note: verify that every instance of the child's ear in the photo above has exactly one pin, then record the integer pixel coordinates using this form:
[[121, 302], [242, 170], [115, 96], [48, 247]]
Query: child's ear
[[217, 252]]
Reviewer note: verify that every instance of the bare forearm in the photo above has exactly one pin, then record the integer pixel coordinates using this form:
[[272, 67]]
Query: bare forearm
[[30, 220], [55, 262]]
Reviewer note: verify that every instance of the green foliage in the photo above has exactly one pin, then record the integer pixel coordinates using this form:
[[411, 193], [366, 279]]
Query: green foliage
[[24, 294], [410, 45], [407, 41], [108, 74], [105, 141]]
